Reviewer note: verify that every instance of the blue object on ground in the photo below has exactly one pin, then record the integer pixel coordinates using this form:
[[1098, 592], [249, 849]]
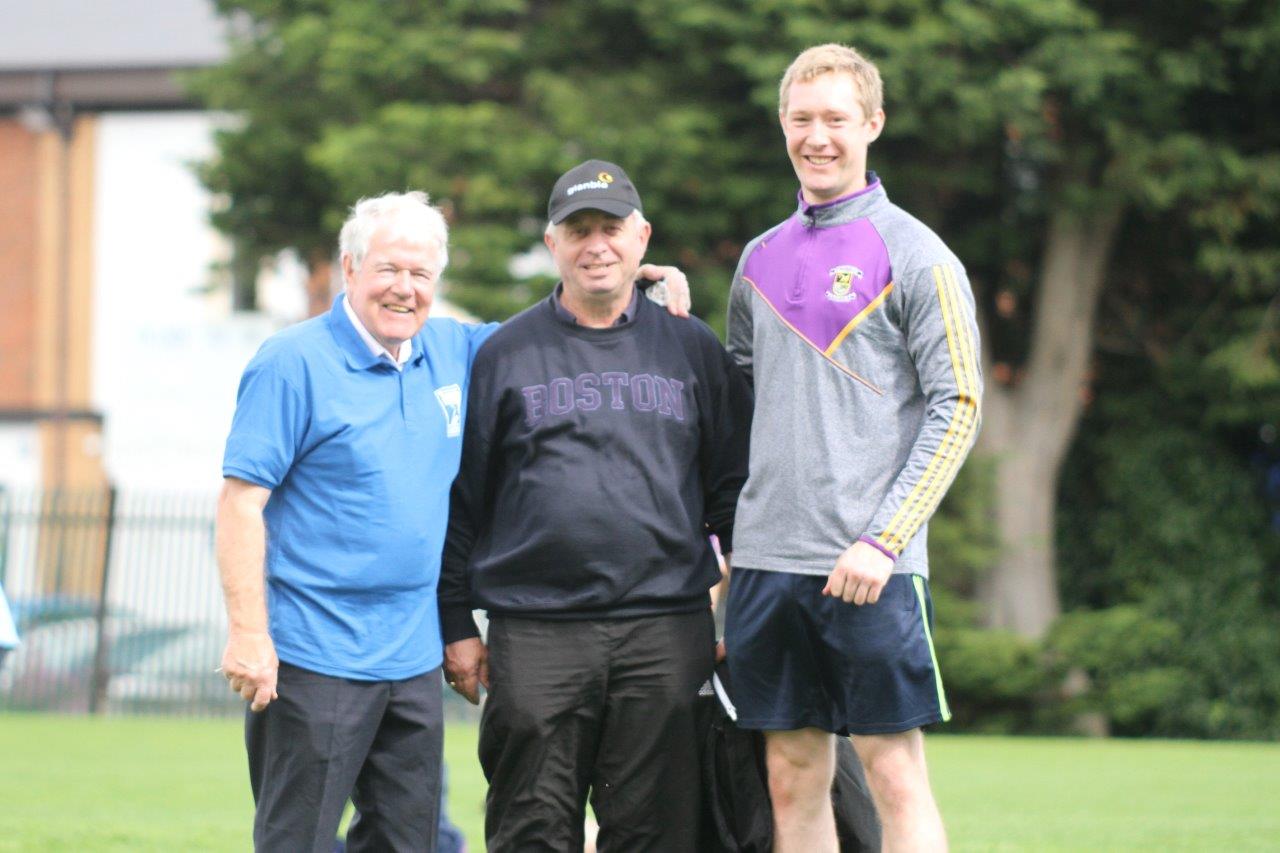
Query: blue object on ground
[[8, 631], [451, 838]]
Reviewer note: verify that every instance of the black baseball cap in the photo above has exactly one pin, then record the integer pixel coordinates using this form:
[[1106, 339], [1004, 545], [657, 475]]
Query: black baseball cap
[[593, 185]]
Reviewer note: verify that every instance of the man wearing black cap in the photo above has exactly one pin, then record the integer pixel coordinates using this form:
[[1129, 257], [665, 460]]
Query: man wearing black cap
[[604, 441]]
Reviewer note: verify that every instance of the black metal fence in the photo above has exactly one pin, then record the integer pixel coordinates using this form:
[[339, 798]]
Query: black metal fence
[[117, 603]]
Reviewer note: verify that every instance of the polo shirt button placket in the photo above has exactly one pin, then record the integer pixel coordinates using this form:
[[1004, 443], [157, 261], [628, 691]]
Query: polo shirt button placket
[[405, 403]]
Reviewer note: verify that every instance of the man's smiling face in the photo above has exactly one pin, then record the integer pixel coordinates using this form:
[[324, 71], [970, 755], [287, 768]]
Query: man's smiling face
[[393, 288], [827, 134], [598, 253]]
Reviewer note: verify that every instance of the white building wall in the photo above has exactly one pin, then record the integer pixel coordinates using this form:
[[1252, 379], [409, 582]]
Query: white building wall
[[167, 349], [167, 356]]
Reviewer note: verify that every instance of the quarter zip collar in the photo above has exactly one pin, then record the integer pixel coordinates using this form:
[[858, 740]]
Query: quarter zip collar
[[847, 208]]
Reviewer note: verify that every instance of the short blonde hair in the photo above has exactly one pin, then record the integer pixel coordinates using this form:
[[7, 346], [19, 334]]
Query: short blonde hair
[[835, 59]]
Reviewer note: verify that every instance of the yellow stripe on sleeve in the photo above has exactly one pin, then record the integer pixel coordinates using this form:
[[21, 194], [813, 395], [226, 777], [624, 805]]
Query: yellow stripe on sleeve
[[887, 538], [967, 400], [966, 333], [946, 459], [946, 474]]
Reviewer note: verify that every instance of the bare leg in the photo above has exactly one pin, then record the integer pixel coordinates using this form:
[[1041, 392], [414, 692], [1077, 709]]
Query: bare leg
[[801, 766], [899, 782]]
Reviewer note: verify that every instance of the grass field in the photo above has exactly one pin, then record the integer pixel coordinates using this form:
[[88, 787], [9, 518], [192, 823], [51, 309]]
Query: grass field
[[73, 784]]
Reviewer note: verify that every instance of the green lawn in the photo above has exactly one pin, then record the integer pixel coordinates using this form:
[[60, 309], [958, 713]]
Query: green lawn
[[71, 783]]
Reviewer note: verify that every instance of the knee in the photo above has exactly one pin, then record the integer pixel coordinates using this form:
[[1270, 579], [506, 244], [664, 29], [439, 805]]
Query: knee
[[797, 775], [897, 779]]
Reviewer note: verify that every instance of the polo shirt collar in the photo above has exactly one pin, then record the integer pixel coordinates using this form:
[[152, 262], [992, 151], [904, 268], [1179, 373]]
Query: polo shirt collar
[[374, 345], [350, 337]]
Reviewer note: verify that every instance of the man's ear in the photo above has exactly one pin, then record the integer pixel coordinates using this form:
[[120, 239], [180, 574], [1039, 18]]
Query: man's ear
[[877, 125], [348, 269]]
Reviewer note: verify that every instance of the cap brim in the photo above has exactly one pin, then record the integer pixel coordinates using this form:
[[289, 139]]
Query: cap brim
[[606, 205]]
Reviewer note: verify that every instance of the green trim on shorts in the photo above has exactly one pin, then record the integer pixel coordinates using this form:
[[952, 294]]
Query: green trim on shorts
[[928, 636]]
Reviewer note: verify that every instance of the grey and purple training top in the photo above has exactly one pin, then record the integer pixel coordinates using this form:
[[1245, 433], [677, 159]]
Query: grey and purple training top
[[857, 325]]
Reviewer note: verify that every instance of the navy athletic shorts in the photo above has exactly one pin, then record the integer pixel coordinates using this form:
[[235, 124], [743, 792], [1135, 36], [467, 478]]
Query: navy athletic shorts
[[800, 659]]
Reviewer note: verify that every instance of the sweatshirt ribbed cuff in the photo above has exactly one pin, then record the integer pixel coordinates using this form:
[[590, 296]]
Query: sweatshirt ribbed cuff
[[883, 550], [457, 623]]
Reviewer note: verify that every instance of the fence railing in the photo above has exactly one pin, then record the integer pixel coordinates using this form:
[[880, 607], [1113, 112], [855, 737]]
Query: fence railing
[[118, 604]]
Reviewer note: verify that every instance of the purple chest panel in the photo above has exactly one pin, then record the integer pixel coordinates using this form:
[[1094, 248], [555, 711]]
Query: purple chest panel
[[820, 280]]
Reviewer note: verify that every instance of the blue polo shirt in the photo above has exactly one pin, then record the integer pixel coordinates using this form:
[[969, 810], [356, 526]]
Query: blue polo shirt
[[359, 458]]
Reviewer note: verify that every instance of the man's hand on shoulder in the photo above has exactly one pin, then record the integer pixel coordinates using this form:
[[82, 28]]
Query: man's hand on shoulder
[[678, 299], [250, 664], [860, 574], [466, 668]]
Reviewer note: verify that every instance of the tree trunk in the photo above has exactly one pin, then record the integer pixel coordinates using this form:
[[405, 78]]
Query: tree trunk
[[1029, 424], [320, 284]]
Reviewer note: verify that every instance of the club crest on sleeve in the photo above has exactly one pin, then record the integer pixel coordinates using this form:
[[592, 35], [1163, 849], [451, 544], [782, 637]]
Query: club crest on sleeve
[[450, 397], [842, 277]]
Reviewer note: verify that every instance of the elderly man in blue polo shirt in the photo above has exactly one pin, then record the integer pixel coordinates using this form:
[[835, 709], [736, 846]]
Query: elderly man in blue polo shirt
[[346, 438]]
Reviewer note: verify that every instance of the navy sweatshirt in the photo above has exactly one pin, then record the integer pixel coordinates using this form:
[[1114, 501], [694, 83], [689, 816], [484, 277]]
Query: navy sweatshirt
[[594, 464]]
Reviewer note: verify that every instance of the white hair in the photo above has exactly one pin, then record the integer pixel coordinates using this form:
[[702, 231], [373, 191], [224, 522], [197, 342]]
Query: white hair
[[635, 217], [407, 215]]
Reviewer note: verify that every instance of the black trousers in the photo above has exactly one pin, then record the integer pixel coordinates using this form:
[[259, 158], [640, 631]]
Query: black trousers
[[326, 739], [605, 706]]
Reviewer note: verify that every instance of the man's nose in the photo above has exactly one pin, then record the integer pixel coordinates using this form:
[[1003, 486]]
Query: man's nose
[[598, 243], [818, 135]]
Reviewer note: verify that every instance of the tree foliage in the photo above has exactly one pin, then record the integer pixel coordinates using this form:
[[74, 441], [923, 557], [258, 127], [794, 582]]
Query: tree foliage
[[1174, 574], [999, 112], [1005, 117]]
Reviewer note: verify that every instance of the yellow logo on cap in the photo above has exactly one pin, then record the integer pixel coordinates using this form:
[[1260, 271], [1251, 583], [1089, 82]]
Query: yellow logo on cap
[[605, 176]]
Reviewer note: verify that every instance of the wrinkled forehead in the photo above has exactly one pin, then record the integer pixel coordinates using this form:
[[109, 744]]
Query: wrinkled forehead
[[590, 218], [402, 237]]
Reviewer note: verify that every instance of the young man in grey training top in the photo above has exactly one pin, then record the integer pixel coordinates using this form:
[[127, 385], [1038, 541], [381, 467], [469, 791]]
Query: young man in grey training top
[[857, 324]]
